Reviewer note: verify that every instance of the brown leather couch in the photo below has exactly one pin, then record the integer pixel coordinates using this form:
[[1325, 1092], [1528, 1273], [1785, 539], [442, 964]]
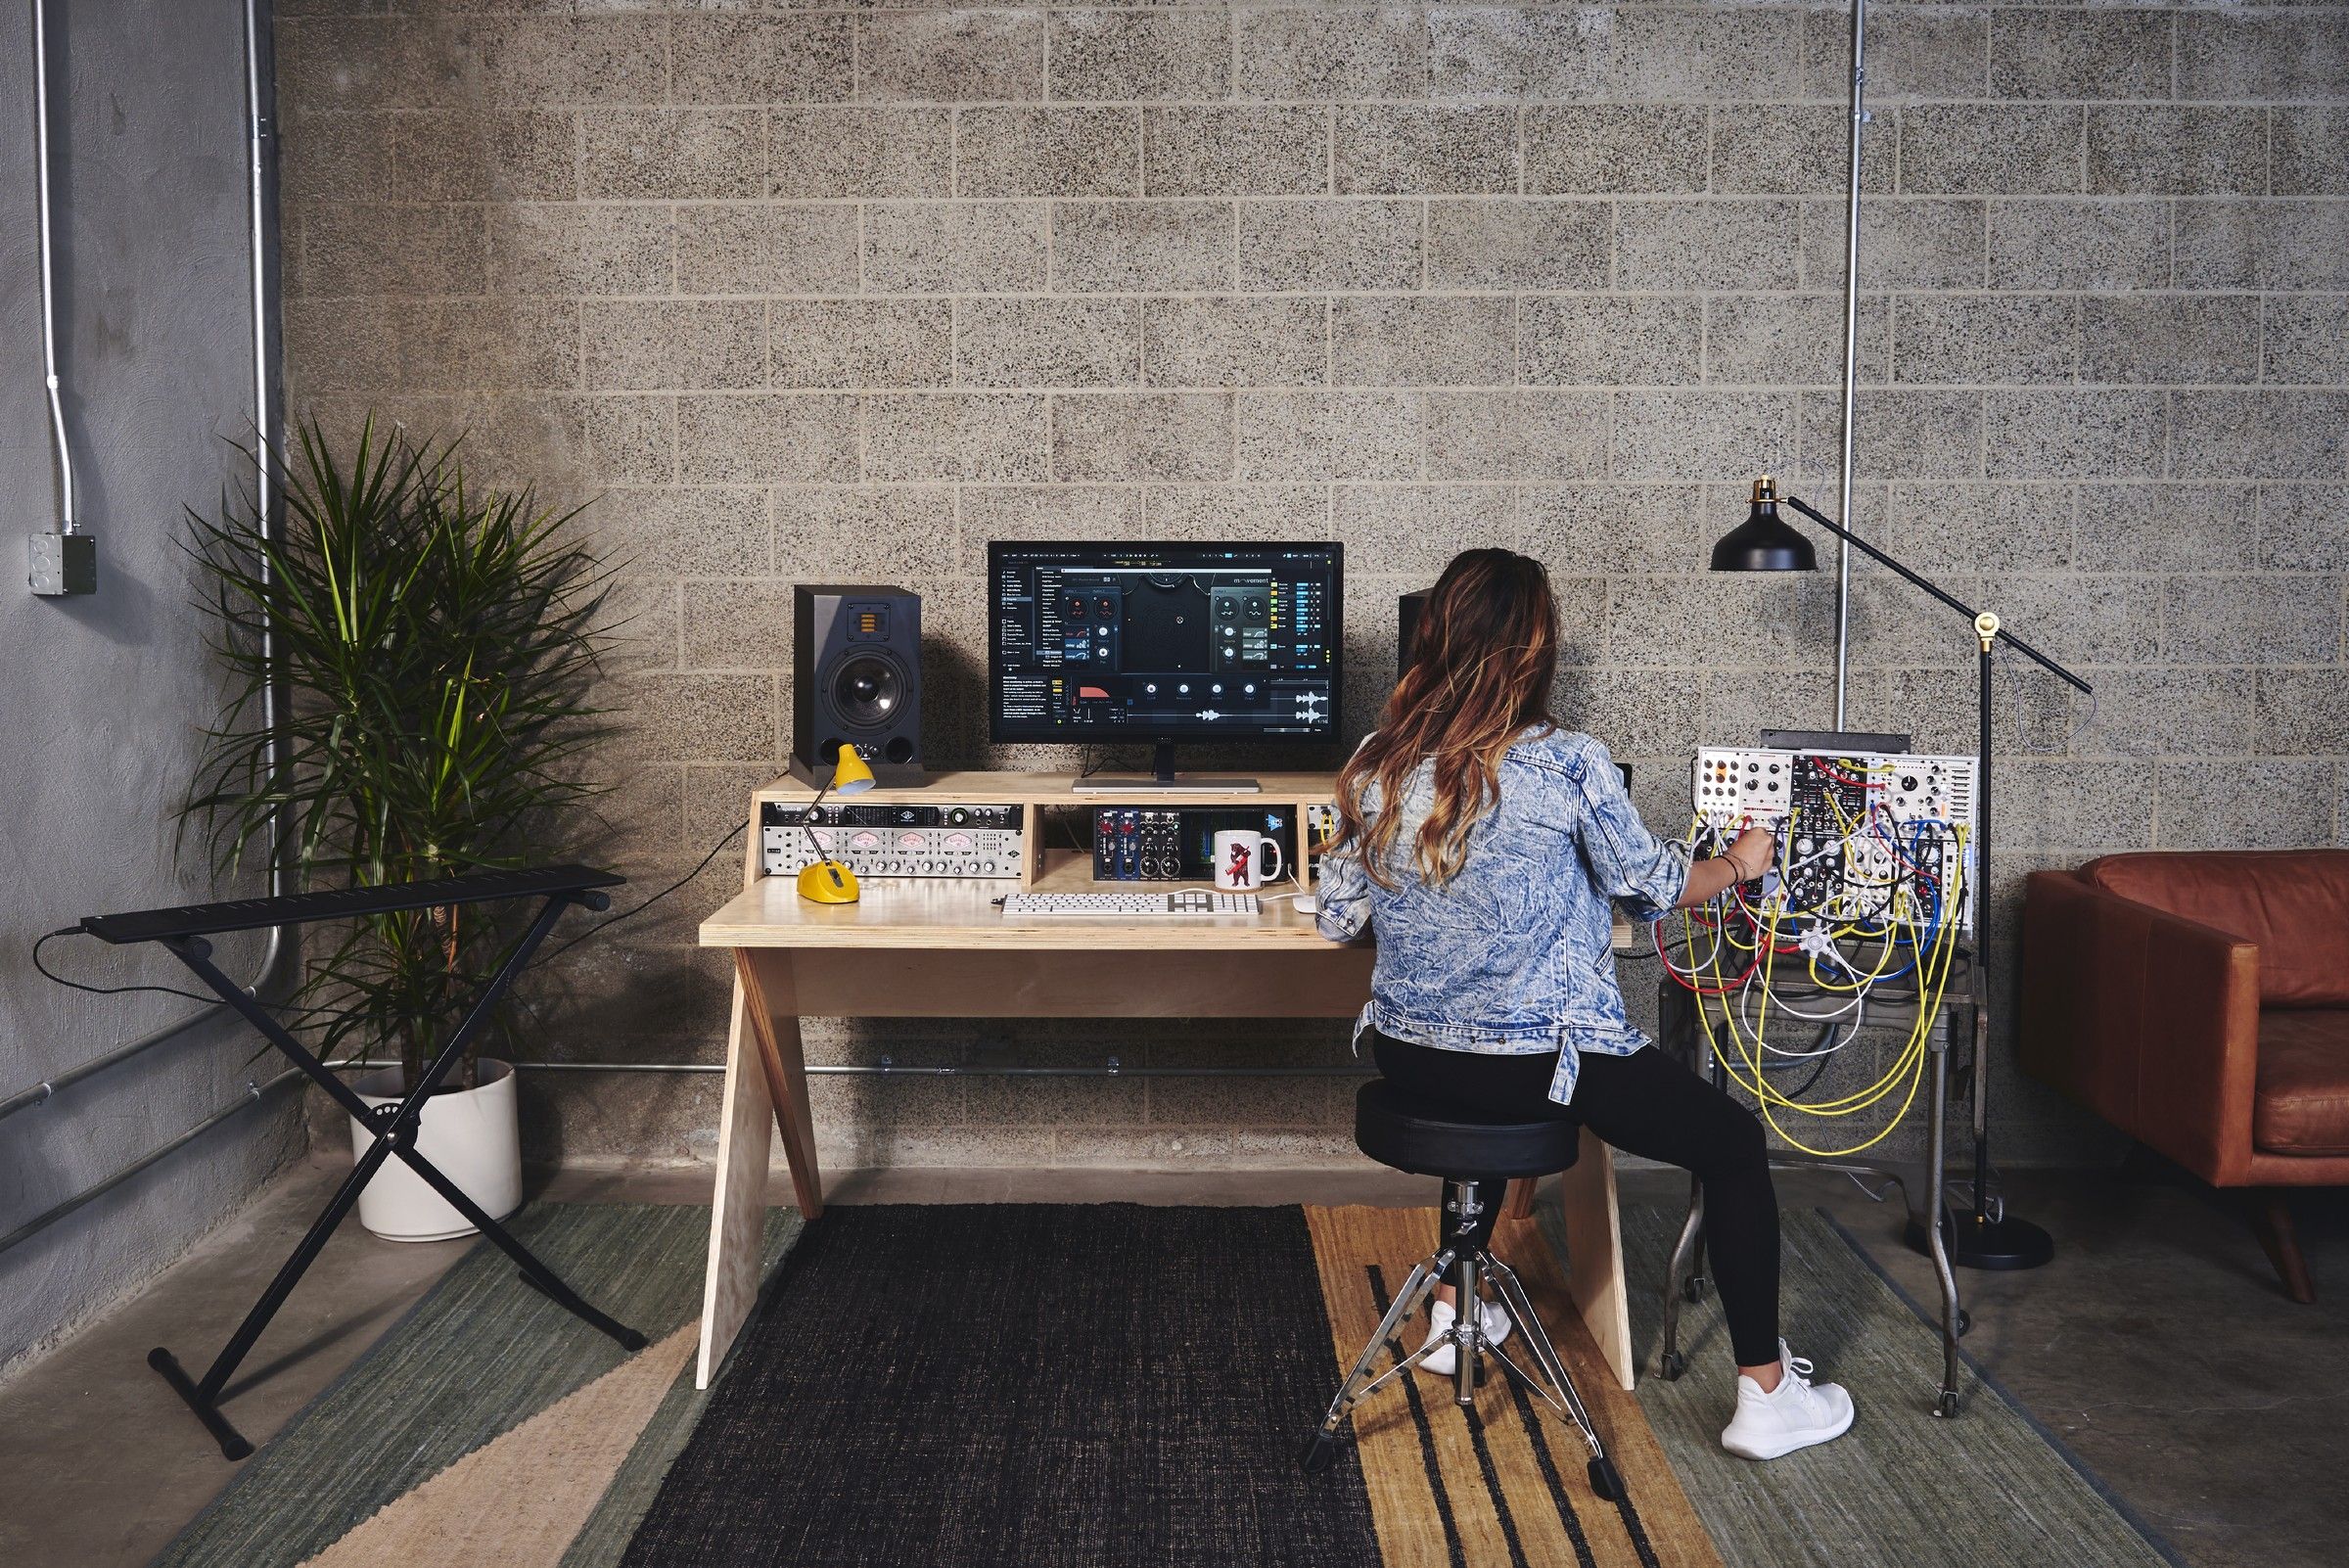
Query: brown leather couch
[[2199, 1001]]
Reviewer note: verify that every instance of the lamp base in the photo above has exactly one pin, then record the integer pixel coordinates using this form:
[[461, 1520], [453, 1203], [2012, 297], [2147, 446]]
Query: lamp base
[[828, 882], [1974, 1242]]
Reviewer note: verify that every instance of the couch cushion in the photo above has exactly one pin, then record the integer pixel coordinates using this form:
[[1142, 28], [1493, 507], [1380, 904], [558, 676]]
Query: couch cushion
[[2301, 1105], [2293, 905]]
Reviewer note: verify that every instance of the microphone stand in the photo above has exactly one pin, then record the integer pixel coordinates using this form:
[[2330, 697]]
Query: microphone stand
[[1989, 1237]]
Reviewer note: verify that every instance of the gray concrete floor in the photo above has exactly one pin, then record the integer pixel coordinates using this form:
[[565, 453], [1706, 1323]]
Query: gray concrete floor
[[2161, 1349], [2157, 1346]]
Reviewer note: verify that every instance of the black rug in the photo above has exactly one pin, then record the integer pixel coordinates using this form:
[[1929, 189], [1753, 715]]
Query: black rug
[[1096, 1385]]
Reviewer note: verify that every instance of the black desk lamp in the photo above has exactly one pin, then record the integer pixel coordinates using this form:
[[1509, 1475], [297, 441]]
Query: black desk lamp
[[1766, 542]]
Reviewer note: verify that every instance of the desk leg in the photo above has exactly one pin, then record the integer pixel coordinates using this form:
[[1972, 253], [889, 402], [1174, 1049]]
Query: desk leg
[[738, 1206], [1594, 1254], [773, 1001], [1519, 1205], [767, 1087]]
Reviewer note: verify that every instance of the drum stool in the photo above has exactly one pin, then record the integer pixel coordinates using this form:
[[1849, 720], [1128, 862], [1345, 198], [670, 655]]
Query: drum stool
[[1475, 1156]]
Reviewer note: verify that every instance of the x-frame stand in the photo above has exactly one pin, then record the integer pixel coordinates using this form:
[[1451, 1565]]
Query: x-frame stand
[[1683, 1278], [183, 933]]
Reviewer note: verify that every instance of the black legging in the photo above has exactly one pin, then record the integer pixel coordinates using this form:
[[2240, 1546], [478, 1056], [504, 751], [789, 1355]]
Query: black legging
[[1648, 1105]]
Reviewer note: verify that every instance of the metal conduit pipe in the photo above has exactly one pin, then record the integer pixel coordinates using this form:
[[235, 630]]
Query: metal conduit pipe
[[886, 1069], [264, 401], [1851, 350], [40, 1092], [67, 522], [255, 1094]]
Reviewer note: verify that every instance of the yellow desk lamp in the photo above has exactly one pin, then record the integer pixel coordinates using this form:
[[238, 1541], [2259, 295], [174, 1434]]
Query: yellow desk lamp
[[827, 881]]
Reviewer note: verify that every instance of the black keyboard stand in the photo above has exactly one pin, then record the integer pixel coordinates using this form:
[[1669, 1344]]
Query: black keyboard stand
[[183, 933]]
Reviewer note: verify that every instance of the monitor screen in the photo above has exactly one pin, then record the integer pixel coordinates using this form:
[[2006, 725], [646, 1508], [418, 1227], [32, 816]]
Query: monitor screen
[[1163, 641]]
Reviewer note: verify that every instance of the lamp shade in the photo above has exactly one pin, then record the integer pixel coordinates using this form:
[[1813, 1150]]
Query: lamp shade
[[1764, 541], [850, 775]]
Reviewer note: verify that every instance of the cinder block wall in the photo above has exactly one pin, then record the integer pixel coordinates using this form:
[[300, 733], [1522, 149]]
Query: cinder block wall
[[802, 294]]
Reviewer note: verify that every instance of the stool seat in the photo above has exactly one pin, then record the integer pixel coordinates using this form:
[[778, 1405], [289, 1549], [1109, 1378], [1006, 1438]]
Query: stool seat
[[1439, 1138]]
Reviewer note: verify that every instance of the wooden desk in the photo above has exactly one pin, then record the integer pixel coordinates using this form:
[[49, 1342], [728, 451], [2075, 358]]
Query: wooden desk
[[941, 948]]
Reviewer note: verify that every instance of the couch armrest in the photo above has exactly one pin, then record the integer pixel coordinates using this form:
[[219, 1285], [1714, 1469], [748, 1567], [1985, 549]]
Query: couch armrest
[[2149, 1019]]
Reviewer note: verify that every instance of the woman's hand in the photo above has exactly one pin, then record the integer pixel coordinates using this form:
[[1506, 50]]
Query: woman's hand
[[1743, 861], [1753, 853]]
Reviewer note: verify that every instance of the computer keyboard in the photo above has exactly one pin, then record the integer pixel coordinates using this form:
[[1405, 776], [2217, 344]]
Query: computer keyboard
[[1189, 904]]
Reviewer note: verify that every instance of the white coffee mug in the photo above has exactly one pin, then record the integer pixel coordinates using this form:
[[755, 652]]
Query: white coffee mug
[[1241, 860]]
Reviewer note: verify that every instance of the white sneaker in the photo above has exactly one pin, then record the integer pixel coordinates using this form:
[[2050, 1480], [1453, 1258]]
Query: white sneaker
[[1796, 1414], [1445, 1358]]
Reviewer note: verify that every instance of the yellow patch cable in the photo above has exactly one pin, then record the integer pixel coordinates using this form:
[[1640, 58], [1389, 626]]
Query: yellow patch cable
[[1933, 975]]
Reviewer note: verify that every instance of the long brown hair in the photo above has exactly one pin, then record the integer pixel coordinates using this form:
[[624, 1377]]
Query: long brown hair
[[1481, 671]]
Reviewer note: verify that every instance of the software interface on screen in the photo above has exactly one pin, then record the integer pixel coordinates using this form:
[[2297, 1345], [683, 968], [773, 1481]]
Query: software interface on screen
[[1164, 640]]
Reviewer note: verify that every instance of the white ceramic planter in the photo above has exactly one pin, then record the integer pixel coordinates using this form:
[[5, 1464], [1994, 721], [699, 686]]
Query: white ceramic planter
[[473, 1135]]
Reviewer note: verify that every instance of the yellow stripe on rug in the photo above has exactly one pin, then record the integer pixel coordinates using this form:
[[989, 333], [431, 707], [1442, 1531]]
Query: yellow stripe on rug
[[1501, 1489], [520, 1500]]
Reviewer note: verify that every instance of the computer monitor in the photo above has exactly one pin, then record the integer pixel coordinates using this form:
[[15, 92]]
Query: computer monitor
[[1164, 642]]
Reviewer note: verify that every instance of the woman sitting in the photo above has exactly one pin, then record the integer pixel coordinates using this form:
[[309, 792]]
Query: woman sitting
[[1484, 843]]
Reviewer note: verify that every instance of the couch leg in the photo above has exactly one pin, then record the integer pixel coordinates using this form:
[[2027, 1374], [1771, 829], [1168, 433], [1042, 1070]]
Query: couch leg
[[2272, 1219]]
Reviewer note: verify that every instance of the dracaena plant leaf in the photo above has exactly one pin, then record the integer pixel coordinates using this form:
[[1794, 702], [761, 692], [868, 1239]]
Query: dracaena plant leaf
[[430, 650]]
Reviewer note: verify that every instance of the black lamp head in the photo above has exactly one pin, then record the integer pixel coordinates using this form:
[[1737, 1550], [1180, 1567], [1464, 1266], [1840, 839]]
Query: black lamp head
[[1764, 541]]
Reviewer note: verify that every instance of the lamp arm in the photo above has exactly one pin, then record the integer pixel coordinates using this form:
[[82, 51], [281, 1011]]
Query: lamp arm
[[822, 854], [1953, 602]]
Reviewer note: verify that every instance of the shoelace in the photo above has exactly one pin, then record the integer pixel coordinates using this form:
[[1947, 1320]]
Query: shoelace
[[1798, 1372]]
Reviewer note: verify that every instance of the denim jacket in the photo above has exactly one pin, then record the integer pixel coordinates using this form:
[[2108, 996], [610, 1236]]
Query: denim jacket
[[1513, 955]]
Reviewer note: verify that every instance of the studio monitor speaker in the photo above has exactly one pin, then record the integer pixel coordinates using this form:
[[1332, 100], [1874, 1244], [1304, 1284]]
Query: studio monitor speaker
[[856, 677], [1407, 631]]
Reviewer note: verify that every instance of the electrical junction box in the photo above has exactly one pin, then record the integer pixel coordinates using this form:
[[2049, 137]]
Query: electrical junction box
[[59, 564]]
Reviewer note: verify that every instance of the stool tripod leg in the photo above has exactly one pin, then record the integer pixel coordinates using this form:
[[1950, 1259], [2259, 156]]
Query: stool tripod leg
[[1605, 1479], [1466, 1332], [1321, 1449]]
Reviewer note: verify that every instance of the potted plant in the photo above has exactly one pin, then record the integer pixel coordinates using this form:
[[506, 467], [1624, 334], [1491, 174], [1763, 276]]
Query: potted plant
[[430, 647]]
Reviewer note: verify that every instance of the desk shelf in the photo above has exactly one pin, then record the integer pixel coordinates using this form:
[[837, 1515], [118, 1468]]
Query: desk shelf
[[1052, 865], [1067, 870]]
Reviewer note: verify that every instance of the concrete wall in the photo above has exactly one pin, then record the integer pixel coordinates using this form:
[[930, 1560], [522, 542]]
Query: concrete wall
[[833, 293], [101, 697]]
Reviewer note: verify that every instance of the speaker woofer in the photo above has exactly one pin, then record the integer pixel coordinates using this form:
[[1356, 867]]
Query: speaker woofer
[[867, 689]]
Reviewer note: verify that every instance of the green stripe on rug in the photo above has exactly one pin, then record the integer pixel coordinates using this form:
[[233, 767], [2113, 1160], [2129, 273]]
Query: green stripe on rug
[[1903, 1486], [481, 1352]]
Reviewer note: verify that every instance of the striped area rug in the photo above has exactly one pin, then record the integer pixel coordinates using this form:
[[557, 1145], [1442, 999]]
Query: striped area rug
[[1034, 1386], [1505, 1484], [973, 1386], [468, 1417]]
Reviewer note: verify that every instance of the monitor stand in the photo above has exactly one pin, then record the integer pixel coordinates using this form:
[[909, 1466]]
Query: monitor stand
[[1163, 780]]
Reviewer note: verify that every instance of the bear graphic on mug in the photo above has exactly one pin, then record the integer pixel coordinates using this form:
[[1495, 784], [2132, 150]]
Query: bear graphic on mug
[[1245, 860]]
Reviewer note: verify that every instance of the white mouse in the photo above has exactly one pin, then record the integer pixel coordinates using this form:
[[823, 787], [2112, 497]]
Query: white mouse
[[1306, 903]]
